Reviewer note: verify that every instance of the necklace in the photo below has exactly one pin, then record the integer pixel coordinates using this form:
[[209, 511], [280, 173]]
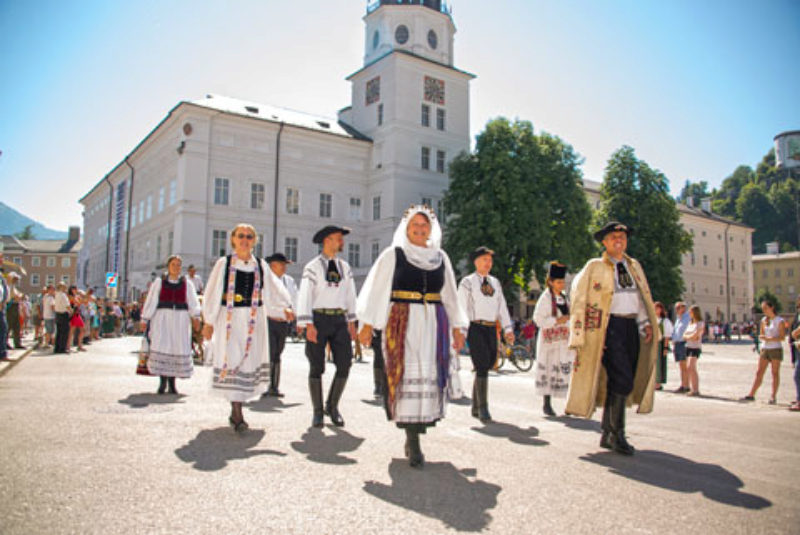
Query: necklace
[[251, 324]]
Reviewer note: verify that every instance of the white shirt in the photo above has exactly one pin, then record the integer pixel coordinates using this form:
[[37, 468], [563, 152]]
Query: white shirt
[[48, 307], [481, 307], [772, 329], [61, 304], [316, 292], [197, 281], [279, 312], [627, 301], [151, 303]]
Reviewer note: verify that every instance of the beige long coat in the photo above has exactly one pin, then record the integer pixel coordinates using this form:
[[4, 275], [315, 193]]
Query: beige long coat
[[590, 296]]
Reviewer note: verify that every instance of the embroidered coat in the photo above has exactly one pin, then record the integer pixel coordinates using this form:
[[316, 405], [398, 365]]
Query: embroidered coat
[[590, 296]]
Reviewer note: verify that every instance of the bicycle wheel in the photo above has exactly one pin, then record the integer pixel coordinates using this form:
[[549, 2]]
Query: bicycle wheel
[[521, 358]]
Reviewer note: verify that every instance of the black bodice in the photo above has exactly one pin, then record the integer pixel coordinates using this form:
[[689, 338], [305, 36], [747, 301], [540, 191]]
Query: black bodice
[[243, 287], [410, 278]]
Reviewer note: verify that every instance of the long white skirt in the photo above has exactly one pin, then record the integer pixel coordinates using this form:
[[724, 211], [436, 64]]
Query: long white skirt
[[252, 371], [170, 343], [553, 367], [418, 397]]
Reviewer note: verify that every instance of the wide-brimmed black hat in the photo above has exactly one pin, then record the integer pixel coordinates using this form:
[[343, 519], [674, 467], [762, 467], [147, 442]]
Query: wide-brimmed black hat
[[557, 271], [612, 226], [278, 257], [480, 251], [330, 229]]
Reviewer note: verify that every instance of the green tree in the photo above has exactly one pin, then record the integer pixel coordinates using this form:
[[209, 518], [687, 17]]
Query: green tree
[[638, 195], [696, 191], [520, 194], [783, 197], [753, 208], [724, 199], [26, 233]]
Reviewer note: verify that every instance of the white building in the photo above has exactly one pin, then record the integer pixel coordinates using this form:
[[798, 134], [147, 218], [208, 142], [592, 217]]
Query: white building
[[218, 161]]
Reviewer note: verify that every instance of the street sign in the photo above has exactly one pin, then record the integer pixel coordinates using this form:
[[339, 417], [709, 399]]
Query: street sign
[[111, 280]]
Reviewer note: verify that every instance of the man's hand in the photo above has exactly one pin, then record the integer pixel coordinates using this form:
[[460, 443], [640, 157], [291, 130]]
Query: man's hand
[[311, 333], [365, 336], [648, 334], [509, 336], [142, 326], [289, 314], [351, 328], [208, 331], [458, 339]]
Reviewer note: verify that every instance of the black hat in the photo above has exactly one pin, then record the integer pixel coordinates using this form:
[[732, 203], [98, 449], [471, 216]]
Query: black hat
[[612, 226], [557, 271], [330, 229], [278, 257], [480, 251]]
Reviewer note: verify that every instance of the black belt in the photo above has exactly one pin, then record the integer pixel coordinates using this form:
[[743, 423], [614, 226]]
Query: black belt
[[484, 323], [330, 311], [173, 306]]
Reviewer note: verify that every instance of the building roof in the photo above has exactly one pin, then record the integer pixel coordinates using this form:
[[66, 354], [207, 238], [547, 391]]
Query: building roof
[[710, 215], [779, 256], [411, 54], [15, 245]]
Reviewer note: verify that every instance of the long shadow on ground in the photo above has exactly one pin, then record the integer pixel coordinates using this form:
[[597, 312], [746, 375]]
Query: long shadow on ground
[[517, 435], [144, 399], [441, 491], [321, 448], [679, 474], [211, 449], [581, 424], [270, 404]]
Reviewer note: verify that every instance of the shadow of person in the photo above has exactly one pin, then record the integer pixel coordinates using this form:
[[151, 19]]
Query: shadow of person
[[143, 399], [681, 475], [515, 434], [440, 491], [463, 400], [270, 404], [322, 448], [573, 422], [211, 449]]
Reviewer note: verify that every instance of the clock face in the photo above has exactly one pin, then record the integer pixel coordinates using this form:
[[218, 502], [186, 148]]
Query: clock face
[[433, 90], [432, 39], [401, 34], [375, 39], [374, 90]]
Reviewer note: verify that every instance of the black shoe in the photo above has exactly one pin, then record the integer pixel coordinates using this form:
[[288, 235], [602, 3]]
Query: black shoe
[[483, 402], [315, 389], [379, 378], [413, 451], [274, 380], [617, 421], [605, 438], [162, 385], [332, 405], [172, 389], [547, 408], [474, 410]]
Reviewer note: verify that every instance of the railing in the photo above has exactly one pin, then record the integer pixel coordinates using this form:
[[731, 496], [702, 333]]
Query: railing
[[438, 5]]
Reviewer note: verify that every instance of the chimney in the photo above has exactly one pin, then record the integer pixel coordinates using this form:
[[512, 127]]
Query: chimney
[[772, 248], [705, 204], [74, 234]]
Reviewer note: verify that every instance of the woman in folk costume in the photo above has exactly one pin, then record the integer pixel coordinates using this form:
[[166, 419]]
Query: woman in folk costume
[[410, 294], [553, 356], [235, 304], [171, 307]]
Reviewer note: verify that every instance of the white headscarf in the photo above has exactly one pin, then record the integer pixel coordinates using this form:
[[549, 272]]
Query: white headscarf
[[429, 257]]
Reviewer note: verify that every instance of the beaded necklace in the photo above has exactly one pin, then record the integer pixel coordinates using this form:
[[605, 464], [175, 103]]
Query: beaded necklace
[[251, 324]]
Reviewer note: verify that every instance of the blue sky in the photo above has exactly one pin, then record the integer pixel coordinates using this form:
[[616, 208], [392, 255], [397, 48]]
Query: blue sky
[[697, 88]]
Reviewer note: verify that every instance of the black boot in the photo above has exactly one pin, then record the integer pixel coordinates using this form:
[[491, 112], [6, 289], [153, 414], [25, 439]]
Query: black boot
[[619, 443], [605, 438], [413, 451], [172, 389], [379, 377], [315, 388], [162, 384], [547, 408], [475, 397], [332, 405], [483, 400], [274, 380]]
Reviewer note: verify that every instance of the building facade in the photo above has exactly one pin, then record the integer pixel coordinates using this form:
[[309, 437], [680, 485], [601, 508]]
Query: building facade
[[44, 261], [780, 274], [215, 162]]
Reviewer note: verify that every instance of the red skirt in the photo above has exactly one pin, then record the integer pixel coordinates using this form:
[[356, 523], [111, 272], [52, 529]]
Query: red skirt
[[76, 321]]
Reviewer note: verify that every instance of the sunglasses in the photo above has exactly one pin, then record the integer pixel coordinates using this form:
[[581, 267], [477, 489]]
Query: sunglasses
[[245, 236]]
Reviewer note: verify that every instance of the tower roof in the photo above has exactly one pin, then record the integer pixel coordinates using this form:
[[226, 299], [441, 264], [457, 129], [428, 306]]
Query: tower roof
[[437, 5]]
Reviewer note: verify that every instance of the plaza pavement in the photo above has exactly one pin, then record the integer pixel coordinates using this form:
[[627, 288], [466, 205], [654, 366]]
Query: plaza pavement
[[87, 447]]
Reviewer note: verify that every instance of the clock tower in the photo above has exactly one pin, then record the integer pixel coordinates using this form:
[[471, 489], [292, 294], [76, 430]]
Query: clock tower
[[413, 103]]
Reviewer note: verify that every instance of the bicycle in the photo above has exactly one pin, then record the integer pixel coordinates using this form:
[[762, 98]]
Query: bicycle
[[517, 354]]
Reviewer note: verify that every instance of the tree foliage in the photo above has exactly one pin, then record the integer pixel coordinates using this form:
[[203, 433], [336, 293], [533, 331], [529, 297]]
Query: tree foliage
[[697, 191], [638, 196], [26, 233], [520, 194]]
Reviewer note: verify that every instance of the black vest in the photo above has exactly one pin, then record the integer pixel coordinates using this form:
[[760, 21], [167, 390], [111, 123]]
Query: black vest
[[243, 287], [410, 278]]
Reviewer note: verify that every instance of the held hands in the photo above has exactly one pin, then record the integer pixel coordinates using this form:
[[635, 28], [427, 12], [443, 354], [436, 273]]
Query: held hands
[[365, 336], [351, 328], [289, 314], [208, 331], [311, 333], [458, 339], [142, 326]]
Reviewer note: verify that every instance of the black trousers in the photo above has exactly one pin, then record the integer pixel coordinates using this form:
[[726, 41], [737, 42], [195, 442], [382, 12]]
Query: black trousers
[[12, 317], [277, 339], [377, 350], [62, 332], [330, 330], [621, 353], [482, 341]]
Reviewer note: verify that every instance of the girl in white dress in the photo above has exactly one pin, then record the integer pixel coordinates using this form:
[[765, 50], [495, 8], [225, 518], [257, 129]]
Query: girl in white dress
[[235, 305], [553, 356]]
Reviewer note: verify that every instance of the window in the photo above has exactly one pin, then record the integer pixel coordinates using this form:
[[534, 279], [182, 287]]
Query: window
[[133, 217], [292, 201], [777, 273], [790, 272], [426, 158], [733, 291], [290, 248], [51, 261], [65, 279], [141, 211], [765, 273], [720, 263], [170, 242], [325, 201], [173, 192], [66, 262], [705, 260], [149, 212], [744, 267], [158, 248], [161, 194], [791, 289], [425, 118], [36, 261], [376, 208], [439, 119], [219, 243], [50, 279], [692, 257], [704, 233], [721, 289], [778, 290], [221, 186], [440, 161], [355, 208], [733, 265], [440, 209], [257, 196], [376, 251], [259, 248], [35, 280], [693, 290], [353, 254], [380, 114]]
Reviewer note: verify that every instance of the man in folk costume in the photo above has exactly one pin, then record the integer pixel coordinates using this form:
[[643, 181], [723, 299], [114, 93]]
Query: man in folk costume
[[279, 321], [611, 328], [326, 309], [481, 296]]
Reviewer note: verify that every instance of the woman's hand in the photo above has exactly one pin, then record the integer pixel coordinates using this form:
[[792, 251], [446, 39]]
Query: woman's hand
[[208, 331], [365, 335], [458, 339]]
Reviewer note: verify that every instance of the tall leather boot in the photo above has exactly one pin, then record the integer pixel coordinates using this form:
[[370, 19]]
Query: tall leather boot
[[620, 444], [379, 377], [332, 405], [413, 450], [605, 438], [483, 400], [172, 389], [274, 380], [547, 408], [162, 384], [315, 389], [475, 397]]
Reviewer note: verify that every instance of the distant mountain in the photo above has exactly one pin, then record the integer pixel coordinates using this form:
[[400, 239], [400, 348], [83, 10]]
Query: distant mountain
[[12, 222]]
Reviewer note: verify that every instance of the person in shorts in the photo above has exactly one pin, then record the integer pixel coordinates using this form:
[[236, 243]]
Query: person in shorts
[[772, 334]]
